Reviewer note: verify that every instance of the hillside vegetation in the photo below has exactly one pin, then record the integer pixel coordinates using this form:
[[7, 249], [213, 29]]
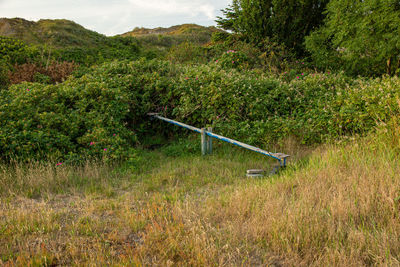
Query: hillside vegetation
[[58, 33], [28, 48], [173, 30], [48, 51], [181, 42]]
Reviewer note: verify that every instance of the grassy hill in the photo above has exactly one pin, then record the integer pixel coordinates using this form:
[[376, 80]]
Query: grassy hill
[[58, 33], [62, 40], [174, 30], [175, 35]]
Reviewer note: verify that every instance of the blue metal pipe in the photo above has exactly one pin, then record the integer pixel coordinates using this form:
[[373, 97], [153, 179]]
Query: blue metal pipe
[[176, 123]]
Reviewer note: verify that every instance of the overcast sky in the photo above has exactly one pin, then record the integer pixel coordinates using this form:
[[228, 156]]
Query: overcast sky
[[112, 17]]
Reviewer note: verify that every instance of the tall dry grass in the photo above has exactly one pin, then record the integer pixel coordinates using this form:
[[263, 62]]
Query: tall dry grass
[[41, 180], [341, 209], [338, 206]]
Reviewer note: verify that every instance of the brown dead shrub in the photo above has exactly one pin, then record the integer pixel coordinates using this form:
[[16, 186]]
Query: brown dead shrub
[[59, 71], [23, 73], [56, 71]]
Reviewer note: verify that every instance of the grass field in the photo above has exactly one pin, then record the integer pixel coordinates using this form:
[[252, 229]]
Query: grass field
[[334, 205]]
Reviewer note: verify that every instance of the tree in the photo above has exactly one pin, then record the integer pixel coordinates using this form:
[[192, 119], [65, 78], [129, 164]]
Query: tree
[[364, 35], [283, 21], [230, 17], [293, 20]]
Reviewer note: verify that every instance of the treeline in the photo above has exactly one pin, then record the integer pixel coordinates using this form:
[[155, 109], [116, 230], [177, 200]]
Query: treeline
[[359, 37]]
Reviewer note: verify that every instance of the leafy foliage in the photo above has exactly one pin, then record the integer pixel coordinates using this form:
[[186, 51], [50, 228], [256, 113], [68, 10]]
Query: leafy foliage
[[262, 110], [122, 48], [80, 118], [22, 62], [284, 21], [361, 35], [233, 59], [187, 52], [13, 51]]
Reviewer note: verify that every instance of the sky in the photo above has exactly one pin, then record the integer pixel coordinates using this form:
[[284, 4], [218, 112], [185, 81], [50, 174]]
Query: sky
[[113, 17]]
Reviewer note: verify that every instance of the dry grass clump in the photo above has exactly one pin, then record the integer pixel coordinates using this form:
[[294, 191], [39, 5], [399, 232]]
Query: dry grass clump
[[338, 206], [343, 209], [37, 180]]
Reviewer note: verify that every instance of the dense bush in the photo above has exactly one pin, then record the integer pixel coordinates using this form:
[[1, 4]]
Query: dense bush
[[259, 109], [107, 108], [268, 56], [233, 59], [220, 36], [109, 49], [13, 51], [187, 52], [4, 81], [80, 118], [21, 62], [97, 115], [262, 110]]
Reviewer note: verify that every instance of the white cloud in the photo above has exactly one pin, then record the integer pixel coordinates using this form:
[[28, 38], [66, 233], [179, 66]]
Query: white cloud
[[117, 16], [194, 8]]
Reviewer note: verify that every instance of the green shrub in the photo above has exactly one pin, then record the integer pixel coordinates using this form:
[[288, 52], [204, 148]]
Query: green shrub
[[233, 59], [262, 110], [276, 57], [13, 51], [267, 55], [41, 78], [99, 115], [81, 118], [54, 72], [113, 48], [4, 81], [187, 52]]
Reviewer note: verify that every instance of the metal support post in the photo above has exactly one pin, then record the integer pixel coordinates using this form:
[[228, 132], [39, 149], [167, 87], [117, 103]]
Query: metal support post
[[203, 142], [209, 148]]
